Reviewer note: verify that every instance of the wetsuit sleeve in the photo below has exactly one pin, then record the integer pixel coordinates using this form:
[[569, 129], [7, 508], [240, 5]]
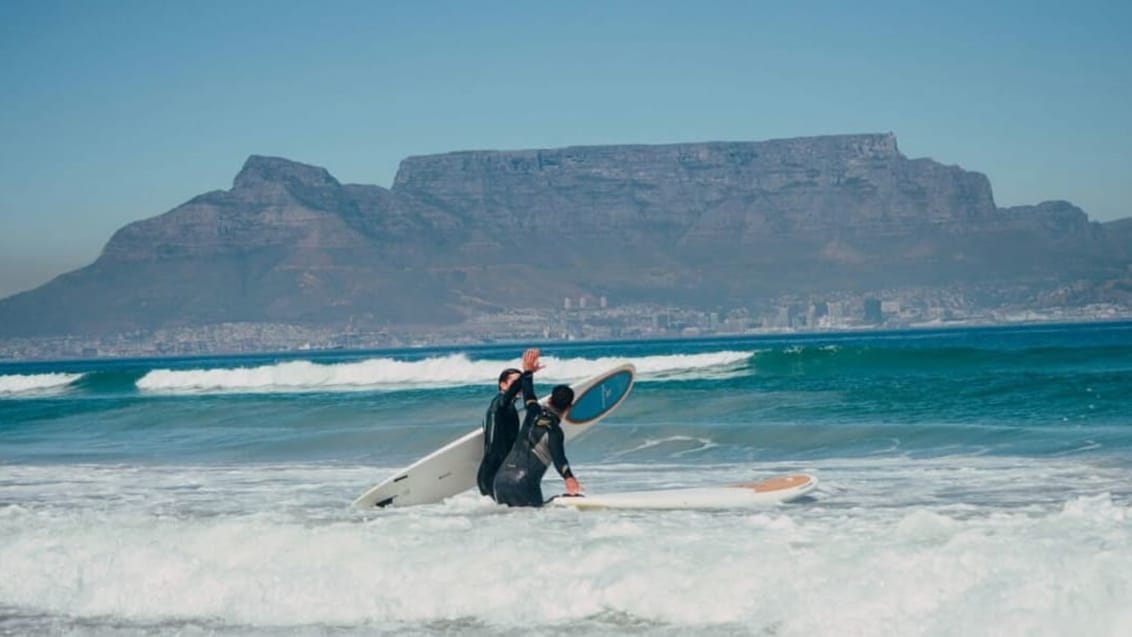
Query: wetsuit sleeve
[[527, 381], [558, 451]]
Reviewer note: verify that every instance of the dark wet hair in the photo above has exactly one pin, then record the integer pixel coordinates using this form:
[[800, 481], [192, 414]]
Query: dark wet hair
[[505, 374], [561, 397]]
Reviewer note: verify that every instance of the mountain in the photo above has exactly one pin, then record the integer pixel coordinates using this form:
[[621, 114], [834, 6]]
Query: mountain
[[464, 233]]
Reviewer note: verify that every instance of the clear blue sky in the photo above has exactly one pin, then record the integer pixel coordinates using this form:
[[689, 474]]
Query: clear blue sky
[[114, 111]]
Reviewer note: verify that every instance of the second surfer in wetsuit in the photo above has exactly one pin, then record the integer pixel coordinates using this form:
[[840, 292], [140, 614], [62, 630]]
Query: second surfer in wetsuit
[[540, 443], [501, 422], [500, 426]]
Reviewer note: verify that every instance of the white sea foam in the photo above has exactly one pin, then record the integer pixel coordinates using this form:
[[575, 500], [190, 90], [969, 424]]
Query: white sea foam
[[709, 365], [886, 547], [12, 384], [436, 372], [376, 373]]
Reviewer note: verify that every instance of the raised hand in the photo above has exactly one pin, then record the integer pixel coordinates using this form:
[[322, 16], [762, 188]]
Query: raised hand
[[530, 360]]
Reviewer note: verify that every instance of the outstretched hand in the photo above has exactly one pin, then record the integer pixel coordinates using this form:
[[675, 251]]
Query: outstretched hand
[[530, 360], [573, 487]]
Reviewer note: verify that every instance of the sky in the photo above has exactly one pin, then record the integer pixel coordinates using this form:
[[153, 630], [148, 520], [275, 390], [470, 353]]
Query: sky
[[113, 111]]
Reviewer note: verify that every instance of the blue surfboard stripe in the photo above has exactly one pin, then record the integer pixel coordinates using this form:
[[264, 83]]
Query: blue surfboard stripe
[[600, 398]]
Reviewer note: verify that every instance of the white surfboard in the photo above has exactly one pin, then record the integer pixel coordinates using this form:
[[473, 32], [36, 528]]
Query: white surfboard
[[452, 468], [736, 496]]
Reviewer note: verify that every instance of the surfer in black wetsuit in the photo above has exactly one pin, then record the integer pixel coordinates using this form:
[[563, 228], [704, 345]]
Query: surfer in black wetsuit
[[501, 422], [540, 443]]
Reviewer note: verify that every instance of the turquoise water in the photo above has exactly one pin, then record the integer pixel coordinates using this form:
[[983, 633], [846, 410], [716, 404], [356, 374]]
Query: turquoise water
[[973, 481]]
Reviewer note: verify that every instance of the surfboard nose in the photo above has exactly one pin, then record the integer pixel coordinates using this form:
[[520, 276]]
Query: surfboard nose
[[777, 483]]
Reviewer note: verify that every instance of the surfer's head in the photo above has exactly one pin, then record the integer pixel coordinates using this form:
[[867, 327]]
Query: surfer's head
[[561, 397], [508, 376]]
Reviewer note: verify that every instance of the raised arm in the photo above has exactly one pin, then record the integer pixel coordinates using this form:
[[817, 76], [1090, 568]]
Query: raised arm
[[531, 365], [527, 382]]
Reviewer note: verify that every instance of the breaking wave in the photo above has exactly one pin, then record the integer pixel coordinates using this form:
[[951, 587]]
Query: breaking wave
[[19, 384], [389, 374]]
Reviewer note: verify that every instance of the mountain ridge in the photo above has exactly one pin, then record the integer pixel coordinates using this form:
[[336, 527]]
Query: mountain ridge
[[466, 232]]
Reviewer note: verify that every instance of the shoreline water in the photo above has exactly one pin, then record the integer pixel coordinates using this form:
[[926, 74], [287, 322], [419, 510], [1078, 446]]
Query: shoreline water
[[770, 334]]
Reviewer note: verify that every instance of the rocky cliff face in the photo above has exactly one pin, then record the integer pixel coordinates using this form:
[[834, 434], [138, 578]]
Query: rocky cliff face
[[706, 193], [287, 244], [708, 222], [465, 232]]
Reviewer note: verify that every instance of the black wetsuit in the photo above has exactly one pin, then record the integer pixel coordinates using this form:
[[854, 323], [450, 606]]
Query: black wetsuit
[[540, 442], [500, 426]]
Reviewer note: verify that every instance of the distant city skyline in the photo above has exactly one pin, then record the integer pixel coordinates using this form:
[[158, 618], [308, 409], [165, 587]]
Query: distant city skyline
[[119, 111]]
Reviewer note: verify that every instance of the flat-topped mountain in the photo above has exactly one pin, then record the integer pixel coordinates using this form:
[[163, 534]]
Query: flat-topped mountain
[[468, 232]]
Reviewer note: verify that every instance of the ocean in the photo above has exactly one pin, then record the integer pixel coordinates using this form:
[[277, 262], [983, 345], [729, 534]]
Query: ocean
[[974, 481]]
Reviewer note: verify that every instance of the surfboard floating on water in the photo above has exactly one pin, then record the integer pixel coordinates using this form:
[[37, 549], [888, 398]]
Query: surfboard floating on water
[[735, 496], [452, 468]]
